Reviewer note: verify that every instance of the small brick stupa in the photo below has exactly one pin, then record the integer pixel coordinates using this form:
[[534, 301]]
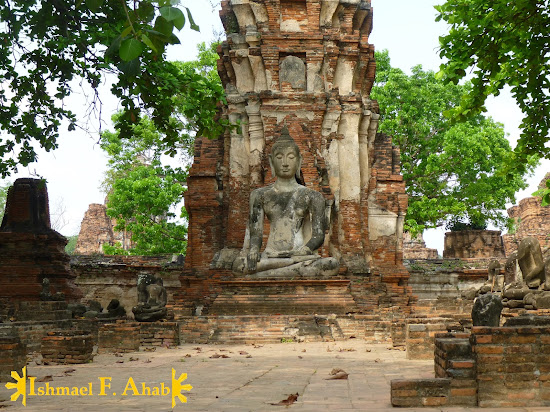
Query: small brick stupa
[[30, 250]]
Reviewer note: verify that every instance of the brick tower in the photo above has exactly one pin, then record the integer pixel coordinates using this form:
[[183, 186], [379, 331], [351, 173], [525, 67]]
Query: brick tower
[[306, 64]]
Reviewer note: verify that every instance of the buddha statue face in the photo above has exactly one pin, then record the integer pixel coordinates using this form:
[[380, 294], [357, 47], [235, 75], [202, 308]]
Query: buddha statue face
[[285, 161], [285, 158]]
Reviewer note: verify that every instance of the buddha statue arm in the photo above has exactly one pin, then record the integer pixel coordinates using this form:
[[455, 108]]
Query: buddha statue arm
[[317, 222], [256, 228]]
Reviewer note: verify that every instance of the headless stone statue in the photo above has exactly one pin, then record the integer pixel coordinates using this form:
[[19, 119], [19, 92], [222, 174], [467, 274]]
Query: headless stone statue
[[297, 221], [531, 263], [496, 280], [151, 301]]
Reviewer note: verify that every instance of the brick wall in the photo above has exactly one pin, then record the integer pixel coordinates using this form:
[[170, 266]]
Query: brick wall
[[504, 367], [159, 334], [67, 347], [513, 366], [454, 359], [118, 337], [13, 356], [272, 329]]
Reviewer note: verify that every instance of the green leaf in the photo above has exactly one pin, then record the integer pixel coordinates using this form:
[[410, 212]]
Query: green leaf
[[130, 49], [94, 5], [191, 21], [126, 32], [179, 22], [174, 39], [130, 68], [148, 42], [170, 13], [114, 47], [163, 26], [146, 11]]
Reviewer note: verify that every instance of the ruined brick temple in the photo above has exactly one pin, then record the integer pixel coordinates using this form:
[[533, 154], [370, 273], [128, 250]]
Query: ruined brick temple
[[306, 65], [30, 250]]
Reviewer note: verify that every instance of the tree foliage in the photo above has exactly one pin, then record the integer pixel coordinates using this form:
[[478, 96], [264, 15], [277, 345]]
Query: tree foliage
[[501, 43], [71, 244], [3, 197], [544, 191], [143, 188], [50, 47], [452, 170], [142, 192]]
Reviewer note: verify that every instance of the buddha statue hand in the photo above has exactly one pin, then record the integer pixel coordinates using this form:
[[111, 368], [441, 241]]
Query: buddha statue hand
[[253, 259], [302, 251]]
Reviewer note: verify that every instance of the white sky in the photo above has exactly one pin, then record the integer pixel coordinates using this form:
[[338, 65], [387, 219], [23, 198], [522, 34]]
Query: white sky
[[406, 28]]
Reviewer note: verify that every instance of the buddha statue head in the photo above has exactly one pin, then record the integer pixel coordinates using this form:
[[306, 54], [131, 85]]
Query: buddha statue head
[[285, 158]]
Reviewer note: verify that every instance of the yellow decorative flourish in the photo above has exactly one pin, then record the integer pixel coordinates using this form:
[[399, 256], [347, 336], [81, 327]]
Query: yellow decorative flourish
[[21, 386], [177, 387]]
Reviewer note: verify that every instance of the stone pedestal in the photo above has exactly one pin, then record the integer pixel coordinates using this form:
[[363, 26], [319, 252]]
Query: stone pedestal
[[284, 297]]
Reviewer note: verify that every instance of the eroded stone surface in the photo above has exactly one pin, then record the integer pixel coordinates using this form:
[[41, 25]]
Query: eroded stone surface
[[470, 244], [486, 311]]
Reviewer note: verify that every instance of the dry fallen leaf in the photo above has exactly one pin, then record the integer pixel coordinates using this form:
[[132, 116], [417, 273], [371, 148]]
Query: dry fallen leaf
[[47, 378], [217, 355], [337, 373], [288, 401]]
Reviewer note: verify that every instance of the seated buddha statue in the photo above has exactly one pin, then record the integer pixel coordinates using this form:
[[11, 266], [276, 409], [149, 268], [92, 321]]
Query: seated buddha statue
[[297, 221], [152, 301]]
